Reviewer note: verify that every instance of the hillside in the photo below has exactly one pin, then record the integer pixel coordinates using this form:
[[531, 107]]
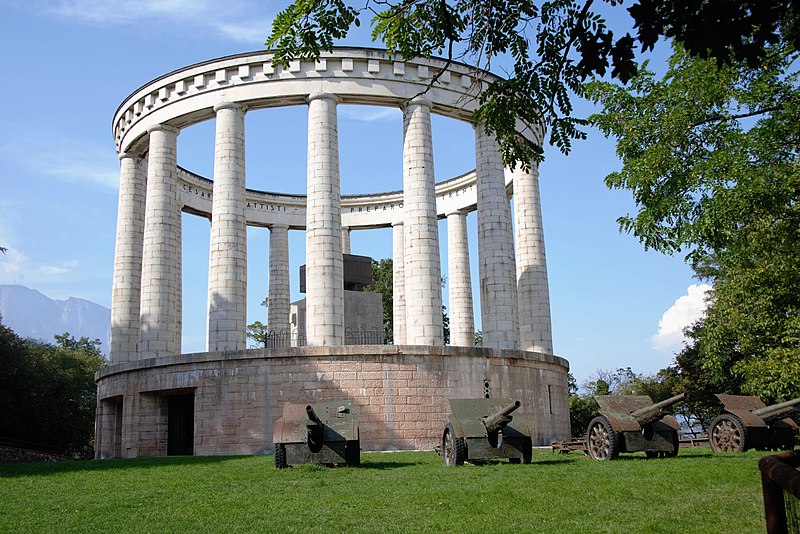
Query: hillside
[[31, 314]]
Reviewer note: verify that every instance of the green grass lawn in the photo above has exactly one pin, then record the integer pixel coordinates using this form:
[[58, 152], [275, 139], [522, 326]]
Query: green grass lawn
[[391, 492]]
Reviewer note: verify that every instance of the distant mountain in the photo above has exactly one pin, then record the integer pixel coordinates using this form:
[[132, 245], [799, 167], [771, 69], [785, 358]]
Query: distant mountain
[[32, 314]]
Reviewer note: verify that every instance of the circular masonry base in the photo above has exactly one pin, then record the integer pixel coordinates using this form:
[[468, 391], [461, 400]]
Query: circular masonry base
[[225, 403]]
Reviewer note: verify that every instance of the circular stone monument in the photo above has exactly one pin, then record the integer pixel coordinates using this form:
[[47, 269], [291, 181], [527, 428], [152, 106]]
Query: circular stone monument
[[153, 400]]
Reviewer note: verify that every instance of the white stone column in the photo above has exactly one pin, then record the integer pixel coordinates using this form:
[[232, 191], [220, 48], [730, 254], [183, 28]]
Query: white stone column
[[345, 240], [227, 264], [161, 253], [496, 248], [398, 285], [127, 286], [532, 288], [278, 311], [422, 271], [462, 320], [324, 268]]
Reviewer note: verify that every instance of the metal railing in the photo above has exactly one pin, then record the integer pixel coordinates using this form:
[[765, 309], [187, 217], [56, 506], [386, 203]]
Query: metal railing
[[284, 339]]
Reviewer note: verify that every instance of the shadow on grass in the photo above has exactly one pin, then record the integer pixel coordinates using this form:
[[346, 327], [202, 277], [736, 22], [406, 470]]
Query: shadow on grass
[[25, 469], [639, 457]]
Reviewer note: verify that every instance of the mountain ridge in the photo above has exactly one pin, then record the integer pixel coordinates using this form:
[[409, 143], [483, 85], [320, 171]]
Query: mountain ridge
[[30, 313]]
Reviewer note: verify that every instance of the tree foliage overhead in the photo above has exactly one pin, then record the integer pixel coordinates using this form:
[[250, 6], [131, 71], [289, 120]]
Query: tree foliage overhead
[[554, 46], [710, 155]]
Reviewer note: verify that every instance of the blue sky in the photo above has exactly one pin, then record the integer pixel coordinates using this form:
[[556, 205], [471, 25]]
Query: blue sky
[[67, 65]]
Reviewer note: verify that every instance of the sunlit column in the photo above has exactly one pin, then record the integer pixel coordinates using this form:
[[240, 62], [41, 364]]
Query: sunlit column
[[398, 285], [127, 286], [422, 271], [227, 265], [278, 311], [324, 268], [161, 252], [462, 320], [496, 248], [345, 240], [532, 288]]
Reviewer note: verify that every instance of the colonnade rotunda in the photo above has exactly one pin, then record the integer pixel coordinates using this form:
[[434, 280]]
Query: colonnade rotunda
[[153, 400]]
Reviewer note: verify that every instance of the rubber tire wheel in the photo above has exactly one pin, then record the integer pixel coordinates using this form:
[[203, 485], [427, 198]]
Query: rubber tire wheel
[[727, 434], [352, 452], [453, 449], [676, 445], [602, 443], [280, 456]]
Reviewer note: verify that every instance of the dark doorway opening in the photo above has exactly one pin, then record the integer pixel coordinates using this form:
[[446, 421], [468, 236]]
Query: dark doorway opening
[[117, 439], [180, 425]]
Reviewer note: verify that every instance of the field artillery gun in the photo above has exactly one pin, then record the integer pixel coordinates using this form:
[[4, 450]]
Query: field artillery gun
[[325, 433], [484, 429], [747, 423], [632, 423]]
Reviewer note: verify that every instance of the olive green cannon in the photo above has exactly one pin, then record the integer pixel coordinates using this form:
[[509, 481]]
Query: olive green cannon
[[747, 423], [484, 429], [325, 433], [632, 423]]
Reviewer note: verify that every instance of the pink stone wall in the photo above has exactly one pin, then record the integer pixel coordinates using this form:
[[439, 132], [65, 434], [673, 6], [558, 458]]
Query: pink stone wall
[[400, 394]]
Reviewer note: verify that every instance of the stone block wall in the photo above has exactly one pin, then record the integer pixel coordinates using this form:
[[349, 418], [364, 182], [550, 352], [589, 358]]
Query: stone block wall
[[400, 394]]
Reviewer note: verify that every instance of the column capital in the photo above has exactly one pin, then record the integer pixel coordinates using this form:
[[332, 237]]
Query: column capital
[[397, 223], [164, 128], [321, 95], [278, 227], [419, 100], [455, 211], [230, 105], [128, 155]]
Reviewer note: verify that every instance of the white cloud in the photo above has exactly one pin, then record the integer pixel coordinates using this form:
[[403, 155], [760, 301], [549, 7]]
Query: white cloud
[[685, 311], [232, 19], [367, 113], [12, 262], [52, 270]]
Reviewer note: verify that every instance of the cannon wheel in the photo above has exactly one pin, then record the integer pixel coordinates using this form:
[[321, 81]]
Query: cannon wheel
[[452, 447], [728, 434], [601, 440], [280, 456], [352, 452]]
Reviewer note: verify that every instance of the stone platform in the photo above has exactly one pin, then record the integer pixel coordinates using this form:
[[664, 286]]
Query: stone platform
[[224, 403]]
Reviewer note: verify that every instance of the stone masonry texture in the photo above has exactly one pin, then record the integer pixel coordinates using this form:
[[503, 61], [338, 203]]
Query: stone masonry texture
[[532, 288], [462, 321], [161, 300], [324, 264], [127, 287], [227, 265], [496, 244], [400, 394], [278, 311], [421, 260], [398, 285]]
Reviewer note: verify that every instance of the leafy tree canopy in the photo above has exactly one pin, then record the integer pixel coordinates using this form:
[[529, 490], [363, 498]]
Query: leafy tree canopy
[[48, 396], [711, 157], [554, 46]]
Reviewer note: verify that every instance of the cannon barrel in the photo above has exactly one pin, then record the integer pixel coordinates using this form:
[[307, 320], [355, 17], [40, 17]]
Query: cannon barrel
[[777, 411], [649, 414], [313, 415], [500, 418]]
